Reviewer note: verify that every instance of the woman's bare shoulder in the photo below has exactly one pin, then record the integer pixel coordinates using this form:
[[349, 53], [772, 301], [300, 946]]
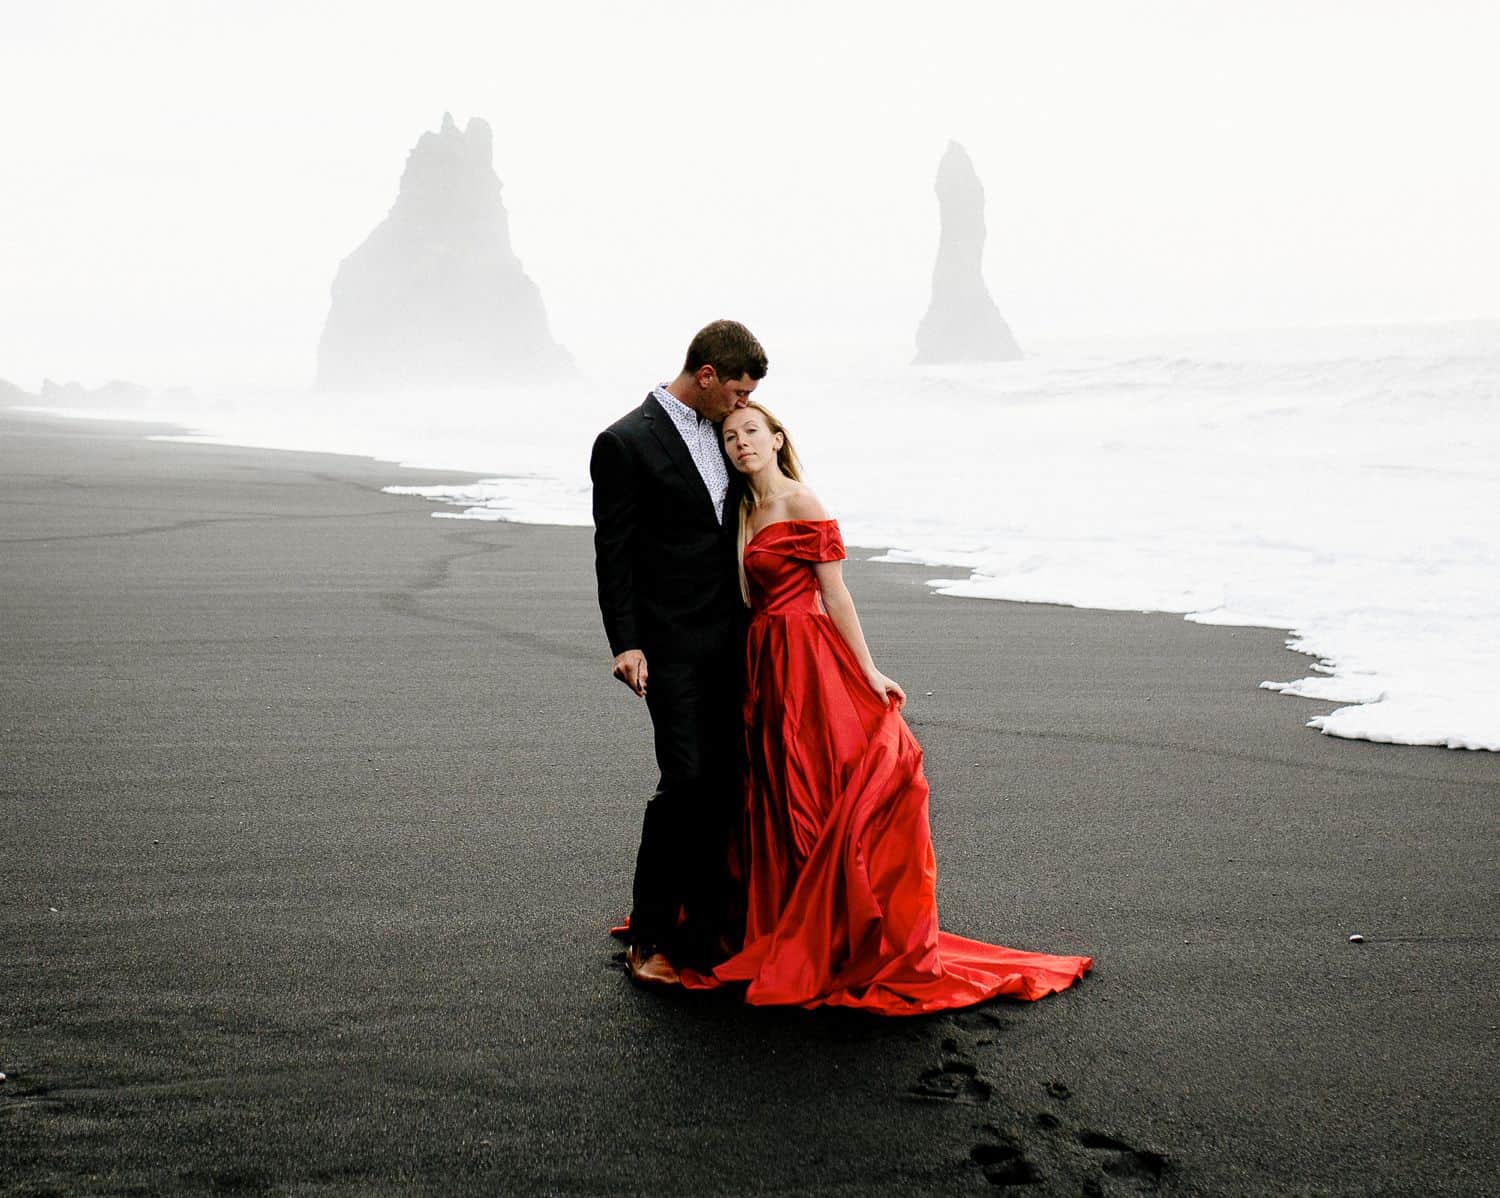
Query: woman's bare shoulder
[[802, 504]]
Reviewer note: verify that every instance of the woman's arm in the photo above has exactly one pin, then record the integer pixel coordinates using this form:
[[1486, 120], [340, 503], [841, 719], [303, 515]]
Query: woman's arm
[[839, 604], [802, 504]]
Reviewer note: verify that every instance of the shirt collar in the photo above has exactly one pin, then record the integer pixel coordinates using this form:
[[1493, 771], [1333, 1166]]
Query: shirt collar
[[675, 407]]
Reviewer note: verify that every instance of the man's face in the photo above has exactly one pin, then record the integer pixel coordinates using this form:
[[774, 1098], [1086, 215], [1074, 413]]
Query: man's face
[[717, 398]]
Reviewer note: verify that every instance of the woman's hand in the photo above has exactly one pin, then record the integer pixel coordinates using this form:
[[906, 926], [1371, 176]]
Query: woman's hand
[[887, 689]]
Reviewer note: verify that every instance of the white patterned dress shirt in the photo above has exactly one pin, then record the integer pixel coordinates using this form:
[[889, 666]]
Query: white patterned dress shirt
[[702, 437]]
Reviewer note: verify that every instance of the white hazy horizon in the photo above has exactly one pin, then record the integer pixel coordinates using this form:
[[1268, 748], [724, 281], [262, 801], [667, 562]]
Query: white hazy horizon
[[183, 178]]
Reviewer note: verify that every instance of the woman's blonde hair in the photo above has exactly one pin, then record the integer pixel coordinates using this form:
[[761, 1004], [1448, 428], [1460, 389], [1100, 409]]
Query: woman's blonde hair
[[789, 464]]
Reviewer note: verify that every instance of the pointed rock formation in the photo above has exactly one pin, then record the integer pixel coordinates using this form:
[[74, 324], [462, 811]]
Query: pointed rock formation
[[435, 295], [962, 322]]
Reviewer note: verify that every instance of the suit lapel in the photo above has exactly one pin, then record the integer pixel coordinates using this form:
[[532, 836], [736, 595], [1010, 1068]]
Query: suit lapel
[[676, 449]]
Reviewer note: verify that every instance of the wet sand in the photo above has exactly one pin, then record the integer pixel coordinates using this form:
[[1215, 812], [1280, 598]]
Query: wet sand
[[315, 811]]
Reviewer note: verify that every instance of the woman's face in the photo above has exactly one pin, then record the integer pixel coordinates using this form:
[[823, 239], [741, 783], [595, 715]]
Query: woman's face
[[749, 441]]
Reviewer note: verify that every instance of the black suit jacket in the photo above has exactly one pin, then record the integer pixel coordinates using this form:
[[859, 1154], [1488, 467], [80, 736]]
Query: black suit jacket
[[667, 566]]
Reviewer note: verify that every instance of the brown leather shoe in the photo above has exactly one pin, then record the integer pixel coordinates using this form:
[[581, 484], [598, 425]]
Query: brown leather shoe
[[649, 966]]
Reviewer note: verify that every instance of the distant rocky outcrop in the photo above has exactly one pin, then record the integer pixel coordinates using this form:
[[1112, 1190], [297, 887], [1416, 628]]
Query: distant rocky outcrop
[[435, 295], [116, 393], [962, 322]]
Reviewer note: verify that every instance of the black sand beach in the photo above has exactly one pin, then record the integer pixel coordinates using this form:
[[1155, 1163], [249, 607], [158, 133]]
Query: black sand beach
[[315, 810]]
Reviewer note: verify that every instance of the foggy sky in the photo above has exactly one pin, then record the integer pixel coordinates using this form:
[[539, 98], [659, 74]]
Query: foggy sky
[[182, 177]]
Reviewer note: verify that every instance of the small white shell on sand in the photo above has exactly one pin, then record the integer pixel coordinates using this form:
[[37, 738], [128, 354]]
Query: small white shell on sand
[[1356, 939]]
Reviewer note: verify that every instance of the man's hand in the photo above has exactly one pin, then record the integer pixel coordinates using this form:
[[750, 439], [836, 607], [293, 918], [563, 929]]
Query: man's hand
[[630, 668]]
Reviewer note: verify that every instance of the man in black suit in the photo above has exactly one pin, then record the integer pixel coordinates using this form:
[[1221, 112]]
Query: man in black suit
[[665, 551]]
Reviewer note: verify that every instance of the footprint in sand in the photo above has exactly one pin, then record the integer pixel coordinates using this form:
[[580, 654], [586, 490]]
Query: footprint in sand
[[1004, 1164], [984, 1021], [1125, 1160], [1085, 1157], [953, 1081]]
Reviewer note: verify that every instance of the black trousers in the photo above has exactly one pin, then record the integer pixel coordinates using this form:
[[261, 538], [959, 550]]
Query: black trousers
[[683, 898]]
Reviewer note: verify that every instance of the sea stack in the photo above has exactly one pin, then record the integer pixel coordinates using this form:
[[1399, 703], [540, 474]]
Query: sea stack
[[962, 322], [435, 296]]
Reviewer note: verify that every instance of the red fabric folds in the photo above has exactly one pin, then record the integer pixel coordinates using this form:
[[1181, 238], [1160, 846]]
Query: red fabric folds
[[835, 849]]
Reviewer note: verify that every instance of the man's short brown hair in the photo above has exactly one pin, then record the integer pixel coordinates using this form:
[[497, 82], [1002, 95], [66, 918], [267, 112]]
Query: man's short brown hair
[[730, 348]]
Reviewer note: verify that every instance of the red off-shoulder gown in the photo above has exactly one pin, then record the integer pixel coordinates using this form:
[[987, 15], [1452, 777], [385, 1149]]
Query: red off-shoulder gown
[[836, 854]]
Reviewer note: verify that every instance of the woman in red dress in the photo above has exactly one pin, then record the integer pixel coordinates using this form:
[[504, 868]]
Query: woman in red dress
[[836, 856]]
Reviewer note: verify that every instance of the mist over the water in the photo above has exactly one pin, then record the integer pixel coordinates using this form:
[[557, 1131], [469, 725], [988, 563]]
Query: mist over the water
[[183, 179]]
